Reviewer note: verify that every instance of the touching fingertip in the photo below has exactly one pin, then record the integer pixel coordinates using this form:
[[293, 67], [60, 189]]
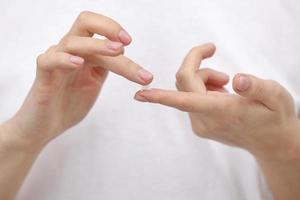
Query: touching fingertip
[[124, 37], [140, 98], [144, 76]]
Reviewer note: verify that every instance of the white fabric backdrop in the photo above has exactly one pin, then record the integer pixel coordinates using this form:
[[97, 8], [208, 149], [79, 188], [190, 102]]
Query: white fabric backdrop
[[128, 150]]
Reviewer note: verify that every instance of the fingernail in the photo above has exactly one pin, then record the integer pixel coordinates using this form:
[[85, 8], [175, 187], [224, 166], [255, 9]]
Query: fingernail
[[140, 98], [243, 83], [113, 45], [76, 60], [144, 75], [125, 37]]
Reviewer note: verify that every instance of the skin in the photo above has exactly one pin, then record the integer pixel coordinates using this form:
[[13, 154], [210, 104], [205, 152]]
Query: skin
[[259, 118], [69, 78]]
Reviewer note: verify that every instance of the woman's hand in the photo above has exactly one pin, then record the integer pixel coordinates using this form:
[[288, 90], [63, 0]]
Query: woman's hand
[[69, 78], [260, 119]]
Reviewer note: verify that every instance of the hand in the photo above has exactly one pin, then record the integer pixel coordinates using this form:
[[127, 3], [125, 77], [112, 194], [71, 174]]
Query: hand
[[70, 76], [261, 118]]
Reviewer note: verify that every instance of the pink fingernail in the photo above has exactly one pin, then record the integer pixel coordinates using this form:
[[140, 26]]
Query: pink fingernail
[[144, 75], [76, 60], [114, 45], [140, 98], [243, 83], [125, 37]]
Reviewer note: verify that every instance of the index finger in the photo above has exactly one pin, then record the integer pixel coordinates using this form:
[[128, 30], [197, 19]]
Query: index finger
[[186, 79], [88, 23], [194, 58], [184, 101]]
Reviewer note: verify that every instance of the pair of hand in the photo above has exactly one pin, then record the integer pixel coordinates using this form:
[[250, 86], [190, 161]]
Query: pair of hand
[[70, 76]]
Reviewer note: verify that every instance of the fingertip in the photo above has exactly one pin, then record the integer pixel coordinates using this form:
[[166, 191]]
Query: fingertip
[[114, 46], [241, 83], [124, 37], [211, 45], [143, 95], [145, 77], [224, 78], [140, 98]]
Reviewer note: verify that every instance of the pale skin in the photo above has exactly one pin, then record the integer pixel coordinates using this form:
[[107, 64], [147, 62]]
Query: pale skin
[[69, 78], [259, 118]]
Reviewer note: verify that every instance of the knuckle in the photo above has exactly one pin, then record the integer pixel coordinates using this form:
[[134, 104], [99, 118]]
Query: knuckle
[[127, 70], [199, 130], [83, 16], [130, 64], [205, 70], [67, 43], [121, 52], [114, 27], [181, 76], [259, 90], [178, 86], [40, 60], [277, 89], [194, 49], [204, 73], [197, 50], [52, 48], [185, 105], [61, 59], [159, 98]]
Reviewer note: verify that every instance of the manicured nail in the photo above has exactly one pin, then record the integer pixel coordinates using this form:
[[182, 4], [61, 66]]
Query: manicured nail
[[140, 98], [243, 83], [113, 45], [144, 75], [76, 60], [125, 37]]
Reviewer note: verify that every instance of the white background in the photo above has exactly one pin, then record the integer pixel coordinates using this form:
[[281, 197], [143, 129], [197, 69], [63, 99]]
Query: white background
[[128, 150]]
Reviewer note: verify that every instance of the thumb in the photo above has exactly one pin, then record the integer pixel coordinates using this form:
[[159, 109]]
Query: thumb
[[268, 92]]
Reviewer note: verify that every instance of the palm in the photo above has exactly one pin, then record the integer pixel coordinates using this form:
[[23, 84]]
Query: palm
[[60, 99], [77, 94]]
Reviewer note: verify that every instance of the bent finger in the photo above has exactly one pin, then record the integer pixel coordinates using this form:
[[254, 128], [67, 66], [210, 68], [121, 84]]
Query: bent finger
[[59, 60], [186, 75], [88, 23], [213, 77], [84, 46]]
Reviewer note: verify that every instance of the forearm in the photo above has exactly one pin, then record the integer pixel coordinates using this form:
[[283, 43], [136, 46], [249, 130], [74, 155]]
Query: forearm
[[283, 179], [283, 173], [16, 159]]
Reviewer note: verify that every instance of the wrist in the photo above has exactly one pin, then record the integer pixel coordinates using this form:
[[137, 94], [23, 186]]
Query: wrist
[[11, 139], [285, 148]]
